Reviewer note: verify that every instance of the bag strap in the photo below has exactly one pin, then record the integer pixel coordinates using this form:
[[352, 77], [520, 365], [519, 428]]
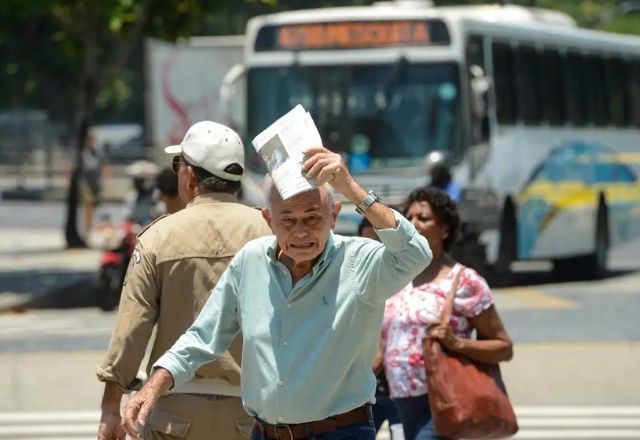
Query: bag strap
[[447, 310]]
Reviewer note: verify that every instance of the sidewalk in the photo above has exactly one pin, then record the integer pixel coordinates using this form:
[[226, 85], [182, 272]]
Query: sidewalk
[[39, 187], [36, 269]]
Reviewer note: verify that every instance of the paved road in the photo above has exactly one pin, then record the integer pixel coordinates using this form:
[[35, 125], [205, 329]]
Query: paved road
[[559, 423], [580, 312], [48, 215]]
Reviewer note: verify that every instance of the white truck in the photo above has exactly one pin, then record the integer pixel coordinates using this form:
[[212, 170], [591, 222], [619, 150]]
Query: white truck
[[183, 83]]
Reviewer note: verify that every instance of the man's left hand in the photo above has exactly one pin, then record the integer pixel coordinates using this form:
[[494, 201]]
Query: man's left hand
[[136, 414], [137, 411]]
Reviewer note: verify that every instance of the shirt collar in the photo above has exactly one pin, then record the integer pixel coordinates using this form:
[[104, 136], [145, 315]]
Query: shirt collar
[[213, 197], [325, 257]]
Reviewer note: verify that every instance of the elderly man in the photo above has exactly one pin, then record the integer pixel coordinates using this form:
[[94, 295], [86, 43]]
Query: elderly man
[[177, 262], [309, 304]]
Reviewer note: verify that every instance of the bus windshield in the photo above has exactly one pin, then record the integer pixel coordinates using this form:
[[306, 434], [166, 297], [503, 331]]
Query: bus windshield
[[378, 116]]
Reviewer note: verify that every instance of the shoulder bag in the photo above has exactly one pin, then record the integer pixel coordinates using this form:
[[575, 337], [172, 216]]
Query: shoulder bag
[[468, 399]]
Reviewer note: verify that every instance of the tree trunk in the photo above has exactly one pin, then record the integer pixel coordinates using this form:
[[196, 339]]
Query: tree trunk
[[92, 79], [73, 238], [84, 119]]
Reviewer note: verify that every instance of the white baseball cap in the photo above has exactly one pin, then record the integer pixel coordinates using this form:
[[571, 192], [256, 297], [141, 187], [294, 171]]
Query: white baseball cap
[[211, 146]]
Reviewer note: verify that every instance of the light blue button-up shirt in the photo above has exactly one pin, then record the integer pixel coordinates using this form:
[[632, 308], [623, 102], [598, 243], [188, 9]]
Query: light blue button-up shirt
[[308, 348]]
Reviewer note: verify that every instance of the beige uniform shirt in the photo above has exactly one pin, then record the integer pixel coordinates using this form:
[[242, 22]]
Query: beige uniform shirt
[[177, 262]]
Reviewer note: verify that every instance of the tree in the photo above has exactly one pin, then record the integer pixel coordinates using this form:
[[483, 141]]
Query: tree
[[85, 44], [67, 55]]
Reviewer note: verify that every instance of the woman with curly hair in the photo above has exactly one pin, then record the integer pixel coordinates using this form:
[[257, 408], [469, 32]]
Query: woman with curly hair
[[413, 314]]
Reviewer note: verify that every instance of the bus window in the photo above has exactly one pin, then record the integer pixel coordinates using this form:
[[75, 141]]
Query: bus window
[[634, 88], [577, 90], [528, 85], [475, 51], [553, 91], [401, 111], [504, 83], [618, 79], [597, 90]]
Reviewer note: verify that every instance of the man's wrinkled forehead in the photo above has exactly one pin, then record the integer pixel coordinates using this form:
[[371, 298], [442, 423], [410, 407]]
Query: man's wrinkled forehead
[[307, 201]]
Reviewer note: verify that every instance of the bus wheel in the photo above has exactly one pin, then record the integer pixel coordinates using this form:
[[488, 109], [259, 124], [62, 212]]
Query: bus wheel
[[594, 265], [501, 273]]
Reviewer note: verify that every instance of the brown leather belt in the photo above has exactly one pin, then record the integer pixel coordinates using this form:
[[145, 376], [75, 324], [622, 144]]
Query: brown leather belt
[[300, 431]]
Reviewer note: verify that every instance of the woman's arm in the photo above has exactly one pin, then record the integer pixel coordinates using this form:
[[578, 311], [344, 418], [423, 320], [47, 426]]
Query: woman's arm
[[492, 346], [378, 362]]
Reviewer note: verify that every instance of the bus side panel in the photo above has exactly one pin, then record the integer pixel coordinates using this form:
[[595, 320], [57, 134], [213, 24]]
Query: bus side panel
[[557, 215]]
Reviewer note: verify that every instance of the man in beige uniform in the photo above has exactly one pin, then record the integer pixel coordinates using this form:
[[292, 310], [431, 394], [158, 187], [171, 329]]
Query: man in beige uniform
[[177, 262]]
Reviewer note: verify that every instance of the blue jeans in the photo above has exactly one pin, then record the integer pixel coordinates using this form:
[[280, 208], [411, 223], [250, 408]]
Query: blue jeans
[[416, 418], [384, 409], [363, 431]]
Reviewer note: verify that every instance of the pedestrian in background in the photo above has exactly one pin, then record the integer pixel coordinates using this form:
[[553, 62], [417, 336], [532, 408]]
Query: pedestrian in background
[[166, 194], [413, 314], [140, 202], [309, 304], [94, 169], [441, 178], [384, 409], [177, 261]]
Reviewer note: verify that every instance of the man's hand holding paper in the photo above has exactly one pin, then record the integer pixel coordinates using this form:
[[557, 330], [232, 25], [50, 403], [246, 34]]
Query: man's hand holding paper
[[325, 166]]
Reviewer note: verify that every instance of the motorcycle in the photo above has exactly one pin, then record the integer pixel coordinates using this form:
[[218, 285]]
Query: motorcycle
[[118, 242]]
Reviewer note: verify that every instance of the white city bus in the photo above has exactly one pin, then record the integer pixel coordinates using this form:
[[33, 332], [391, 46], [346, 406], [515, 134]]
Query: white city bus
[[539, 120]]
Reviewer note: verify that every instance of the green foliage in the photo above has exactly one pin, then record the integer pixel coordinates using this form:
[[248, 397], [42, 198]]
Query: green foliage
[[231, 16], [597, 14], [45, 44], [50, 47]]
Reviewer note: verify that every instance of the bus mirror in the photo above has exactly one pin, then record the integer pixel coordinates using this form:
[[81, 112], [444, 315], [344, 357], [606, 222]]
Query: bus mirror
[[232, 94]]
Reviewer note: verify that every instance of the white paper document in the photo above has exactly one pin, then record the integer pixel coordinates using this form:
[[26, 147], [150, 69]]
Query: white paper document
[[282, 148]]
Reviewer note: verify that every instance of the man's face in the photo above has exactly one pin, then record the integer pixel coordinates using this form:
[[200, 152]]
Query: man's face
[[302, 224]]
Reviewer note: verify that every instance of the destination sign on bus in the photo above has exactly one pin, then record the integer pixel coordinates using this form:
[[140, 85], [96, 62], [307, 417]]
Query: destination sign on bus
[[351, 35]]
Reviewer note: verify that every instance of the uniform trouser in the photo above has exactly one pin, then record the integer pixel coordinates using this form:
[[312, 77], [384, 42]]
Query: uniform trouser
[[198, 417]]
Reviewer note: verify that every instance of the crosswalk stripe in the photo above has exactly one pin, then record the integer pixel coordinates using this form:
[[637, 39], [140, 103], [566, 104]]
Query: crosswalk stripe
[[41, 325], [585, 411], [536, 423], [572, 423], [611, 434], [579, 422], [49, 431], [58, 425], [48, 417]]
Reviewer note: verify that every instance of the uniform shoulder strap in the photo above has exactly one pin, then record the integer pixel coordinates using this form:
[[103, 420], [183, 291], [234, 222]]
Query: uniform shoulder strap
[[144, 229]]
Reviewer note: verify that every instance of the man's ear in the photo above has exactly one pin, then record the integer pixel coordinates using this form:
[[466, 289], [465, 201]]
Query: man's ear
[[192, 180], [335, 210], [266, 215]]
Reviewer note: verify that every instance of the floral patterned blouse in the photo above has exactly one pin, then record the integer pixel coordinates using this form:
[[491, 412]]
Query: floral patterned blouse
[[407, 316]]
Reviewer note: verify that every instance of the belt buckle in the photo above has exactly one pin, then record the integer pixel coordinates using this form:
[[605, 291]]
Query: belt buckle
[[289, 432]]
